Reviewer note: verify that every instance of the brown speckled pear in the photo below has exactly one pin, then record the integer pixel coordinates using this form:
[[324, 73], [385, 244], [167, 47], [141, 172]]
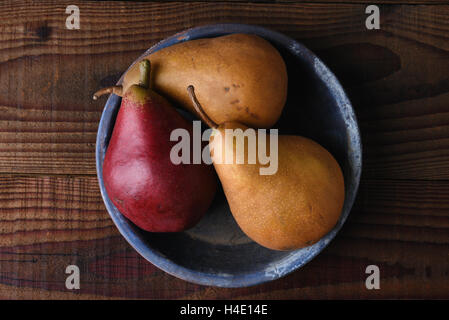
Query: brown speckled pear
[[290, 209], [238, 77]]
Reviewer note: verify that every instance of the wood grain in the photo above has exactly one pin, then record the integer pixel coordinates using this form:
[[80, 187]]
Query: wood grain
[[367, 2], [51, 211], [396, 77], [43, 209], [48, 223]]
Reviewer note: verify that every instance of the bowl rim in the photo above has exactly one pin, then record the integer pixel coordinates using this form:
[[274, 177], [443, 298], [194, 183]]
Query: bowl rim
[[292, 261]]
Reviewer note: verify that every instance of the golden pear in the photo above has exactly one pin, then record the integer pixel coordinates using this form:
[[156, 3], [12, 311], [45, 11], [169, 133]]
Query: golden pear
[[293, 207], [238, 77]]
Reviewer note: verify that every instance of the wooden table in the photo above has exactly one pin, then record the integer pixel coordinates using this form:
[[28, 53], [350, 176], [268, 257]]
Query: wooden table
[[51, 211]]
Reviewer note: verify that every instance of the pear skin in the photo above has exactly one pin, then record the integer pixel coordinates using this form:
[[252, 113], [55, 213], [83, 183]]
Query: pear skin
[[139, 176], [238, 77], [290, 209]]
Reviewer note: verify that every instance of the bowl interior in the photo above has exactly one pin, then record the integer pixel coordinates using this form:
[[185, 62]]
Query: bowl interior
[[216, 252]]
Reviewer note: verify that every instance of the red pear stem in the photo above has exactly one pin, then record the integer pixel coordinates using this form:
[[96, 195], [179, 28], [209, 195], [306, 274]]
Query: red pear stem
[[118, 90], [203, 115], [144, 68]]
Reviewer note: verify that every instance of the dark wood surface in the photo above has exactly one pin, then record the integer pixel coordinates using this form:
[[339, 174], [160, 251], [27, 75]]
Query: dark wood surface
[[51, 211]]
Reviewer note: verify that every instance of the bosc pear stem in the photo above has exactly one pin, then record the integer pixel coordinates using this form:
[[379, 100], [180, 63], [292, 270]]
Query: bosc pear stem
[[196, 104], [144, 81]]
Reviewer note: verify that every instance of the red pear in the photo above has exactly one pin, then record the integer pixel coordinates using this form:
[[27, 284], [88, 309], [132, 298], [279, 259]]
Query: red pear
[[140, 179]]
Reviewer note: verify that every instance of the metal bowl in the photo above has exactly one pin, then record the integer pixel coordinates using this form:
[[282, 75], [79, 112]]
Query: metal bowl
[[216, 252]]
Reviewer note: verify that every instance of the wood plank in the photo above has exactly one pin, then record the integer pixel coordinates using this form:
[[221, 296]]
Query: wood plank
[[367, 2], [47, 75], [47, 223], [57, 208], [55, 141], [51, 209]]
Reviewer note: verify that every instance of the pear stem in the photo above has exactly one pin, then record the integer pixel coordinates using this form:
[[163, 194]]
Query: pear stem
[[203, 115], [144, 68], [144, 82], [118, 90]]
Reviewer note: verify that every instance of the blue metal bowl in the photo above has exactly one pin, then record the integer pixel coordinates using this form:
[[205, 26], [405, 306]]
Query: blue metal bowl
[[216, 252]]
